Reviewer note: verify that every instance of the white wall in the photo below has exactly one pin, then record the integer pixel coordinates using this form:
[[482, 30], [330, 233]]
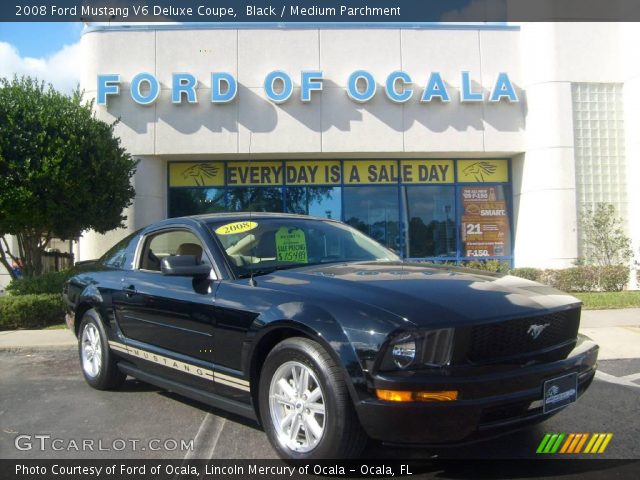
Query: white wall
[[553, 55], [331, 123], [630, 39], [5, 278]]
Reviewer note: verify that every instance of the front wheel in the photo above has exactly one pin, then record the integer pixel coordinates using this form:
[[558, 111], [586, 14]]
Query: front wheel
[[98, 364], [305, 406]]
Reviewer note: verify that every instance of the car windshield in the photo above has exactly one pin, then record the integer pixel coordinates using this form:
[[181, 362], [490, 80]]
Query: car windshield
[[262, 245]]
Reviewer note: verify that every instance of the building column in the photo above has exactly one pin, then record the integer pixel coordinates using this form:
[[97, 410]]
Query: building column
[[544, 187]]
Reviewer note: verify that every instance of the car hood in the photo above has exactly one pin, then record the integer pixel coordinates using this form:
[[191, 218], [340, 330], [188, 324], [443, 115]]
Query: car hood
[[424, 295]]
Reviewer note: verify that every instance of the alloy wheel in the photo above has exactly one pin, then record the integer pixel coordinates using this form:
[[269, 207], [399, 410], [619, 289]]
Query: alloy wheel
[[297, 407], [91, 351]]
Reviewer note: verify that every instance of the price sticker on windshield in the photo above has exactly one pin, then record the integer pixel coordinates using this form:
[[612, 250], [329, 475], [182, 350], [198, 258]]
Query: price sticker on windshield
[[291, 245], [236, 227]]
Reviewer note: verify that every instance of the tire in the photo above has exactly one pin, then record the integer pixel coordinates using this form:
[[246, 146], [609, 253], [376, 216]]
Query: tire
[[97, 362], [323, 417]]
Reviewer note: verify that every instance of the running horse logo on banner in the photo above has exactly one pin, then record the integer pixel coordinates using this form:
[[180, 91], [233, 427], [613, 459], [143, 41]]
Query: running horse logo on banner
[[199, 172], [480, 169]]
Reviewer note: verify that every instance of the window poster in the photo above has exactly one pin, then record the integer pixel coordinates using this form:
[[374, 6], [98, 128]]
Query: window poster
[[485, 222]]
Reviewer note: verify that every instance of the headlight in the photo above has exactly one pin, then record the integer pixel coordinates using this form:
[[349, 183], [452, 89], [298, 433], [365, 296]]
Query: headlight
[[430, 348], [404, 351]]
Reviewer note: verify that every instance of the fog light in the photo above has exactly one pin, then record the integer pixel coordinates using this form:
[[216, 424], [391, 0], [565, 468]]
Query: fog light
[[394, 395], [442, 396], [411, 396]]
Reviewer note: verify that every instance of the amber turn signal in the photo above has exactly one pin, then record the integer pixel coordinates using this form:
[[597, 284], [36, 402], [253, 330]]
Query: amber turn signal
[[411, 396]]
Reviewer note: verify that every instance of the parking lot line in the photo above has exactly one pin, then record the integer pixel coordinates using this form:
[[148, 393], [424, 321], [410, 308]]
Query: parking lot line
[[207, 437], [605, 377]]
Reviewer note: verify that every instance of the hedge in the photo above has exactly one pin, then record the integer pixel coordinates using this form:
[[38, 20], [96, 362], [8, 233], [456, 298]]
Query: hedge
[[46, 283], [495, 266], [534, 274], [31, 311], [584, 278]]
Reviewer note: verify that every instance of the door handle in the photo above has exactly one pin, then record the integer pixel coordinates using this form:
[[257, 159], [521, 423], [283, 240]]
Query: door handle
[[130, 290]]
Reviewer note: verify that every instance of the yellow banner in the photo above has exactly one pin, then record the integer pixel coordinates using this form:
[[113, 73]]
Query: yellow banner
[[200, 174], [378, 172], [426, 171], [313, 172], [328, 172], [483, 171], [255, 173]]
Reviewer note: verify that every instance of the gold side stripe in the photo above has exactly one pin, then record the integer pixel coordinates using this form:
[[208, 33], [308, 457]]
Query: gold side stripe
[[231, 384], [117, 347], [182, 366], [222, 376]]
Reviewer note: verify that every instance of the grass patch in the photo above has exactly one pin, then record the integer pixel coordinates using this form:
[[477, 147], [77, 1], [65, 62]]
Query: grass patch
[[608, 300]]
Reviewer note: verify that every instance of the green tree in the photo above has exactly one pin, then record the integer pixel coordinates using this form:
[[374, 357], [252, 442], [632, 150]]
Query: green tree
[[605, 241], [62, 170]]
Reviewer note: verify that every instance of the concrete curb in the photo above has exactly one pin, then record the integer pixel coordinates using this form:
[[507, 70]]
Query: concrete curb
[[616, 331], [610, 318], [37, 339]]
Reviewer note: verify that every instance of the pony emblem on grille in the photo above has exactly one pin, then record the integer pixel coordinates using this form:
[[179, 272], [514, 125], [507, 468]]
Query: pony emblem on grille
[[536, 329]]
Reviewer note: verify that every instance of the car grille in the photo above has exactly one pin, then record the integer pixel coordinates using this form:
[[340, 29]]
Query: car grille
[[513, 338]]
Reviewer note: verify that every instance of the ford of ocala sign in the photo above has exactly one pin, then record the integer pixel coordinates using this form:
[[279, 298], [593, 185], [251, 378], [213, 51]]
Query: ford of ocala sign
[[278, 86]]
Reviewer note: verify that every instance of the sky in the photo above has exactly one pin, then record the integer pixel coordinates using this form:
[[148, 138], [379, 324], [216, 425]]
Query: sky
[[48, 51]]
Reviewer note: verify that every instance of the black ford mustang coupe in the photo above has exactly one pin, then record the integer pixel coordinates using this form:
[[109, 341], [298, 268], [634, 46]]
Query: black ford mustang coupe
[[324, 336]]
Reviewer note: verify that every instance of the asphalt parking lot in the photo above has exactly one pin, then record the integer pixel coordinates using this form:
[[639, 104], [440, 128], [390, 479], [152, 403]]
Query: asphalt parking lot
[[46, 402]]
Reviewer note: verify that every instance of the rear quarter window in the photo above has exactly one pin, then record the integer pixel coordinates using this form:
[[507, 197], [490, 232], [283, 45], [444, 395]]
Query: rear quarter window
[[120, 256]]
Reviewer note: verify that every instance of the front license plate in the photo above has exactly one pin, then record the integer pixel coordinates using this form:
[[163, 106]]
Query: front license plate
[[560, 392]]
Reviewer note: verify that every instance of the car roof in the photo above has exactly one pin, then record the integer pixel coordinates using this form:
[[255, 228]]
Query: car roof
[[236, 216]]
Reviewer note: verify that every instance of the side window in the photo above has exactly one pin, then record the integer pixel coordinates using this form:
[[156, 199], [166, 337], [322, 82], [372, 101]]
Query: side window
[[120, 255], [165, 244]]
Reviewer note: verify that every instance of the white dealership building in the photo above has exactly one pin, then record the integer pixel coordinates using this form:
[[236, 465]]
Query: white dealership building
[[444, 142]]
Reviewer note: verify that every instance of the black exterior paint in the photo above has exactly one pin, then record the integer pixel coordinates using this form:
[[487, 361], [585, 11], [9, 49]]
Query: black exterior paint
[[353, 310]]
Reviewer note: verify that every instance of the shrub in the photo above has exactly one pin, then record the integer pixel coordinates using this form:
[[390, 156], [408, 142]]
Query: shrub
[[534, 274], [495, 266], [613, 278], [605, 241], [46, 283], [31, 311], [577, 279], [583, 278]]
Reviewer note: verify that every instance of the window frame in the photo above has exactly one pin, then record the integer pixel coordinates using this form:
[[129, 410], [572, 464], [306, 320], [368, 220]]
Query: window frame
[[148, 236]]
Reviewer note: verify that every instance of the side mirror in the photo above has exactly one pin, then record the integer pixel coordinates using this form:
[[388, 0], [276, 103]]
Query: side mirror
[[184, 266]]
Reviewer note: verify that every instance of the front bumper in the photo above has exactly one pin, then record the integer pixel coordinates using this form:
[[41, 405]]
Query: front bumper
[[494, 400]]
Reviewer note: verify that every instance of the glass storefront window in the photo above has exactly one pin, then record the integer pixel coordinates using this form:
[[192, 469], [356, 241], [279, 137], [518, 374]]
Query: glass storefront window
[[430, 221], [436, 209], [257, 199], [195, 201], [317, 201], [375, 212]]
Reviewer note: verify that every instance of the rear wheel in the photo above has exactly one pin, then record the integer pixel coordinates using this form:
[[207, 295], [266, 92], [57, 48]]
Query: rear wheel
[[98, 363], [304, 403]]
